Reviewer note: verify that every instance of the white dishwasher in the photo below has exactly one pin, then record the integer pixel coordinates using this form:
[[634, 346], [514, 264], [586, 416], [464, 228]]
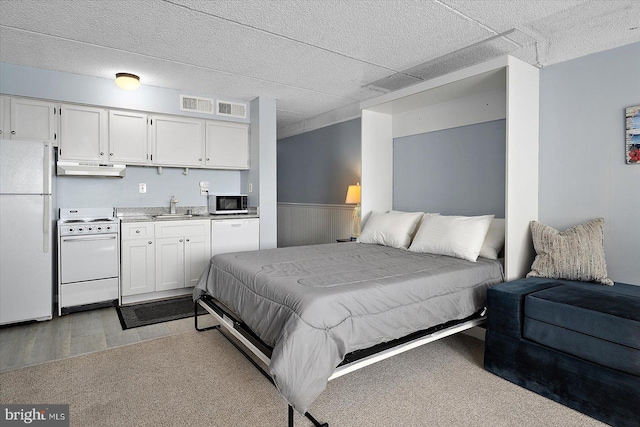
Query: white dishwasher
[[235, 235]]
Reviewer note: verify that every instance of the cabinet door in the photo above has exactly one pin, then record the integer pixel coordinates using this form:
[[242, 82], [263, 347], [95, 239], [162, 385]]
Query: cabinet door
[[235, 235], [128, 137], [32, 119], [227, 145], [177, 141], [83, 133], [138, 275], [196, 258], [169, 263]]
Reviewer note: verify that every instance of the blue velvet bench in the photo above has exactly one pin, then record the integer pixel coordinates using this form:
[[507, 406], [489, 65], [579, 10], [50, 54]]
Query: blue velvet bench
[[573, 342]]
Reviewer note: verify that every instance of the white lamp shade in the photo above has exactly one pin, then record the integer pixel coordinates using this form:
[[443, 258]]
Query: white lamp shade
[[127, 81], [353, 194]]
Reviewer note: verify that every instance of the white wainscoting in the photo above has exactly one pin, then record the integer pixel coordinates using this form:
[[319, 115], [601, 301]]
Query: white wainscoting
[[312, 224]]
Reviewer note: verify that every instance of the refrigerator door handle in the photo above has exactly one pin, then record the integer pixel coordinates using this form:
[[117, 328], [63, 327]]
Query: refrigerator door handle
[[46, 226], [46, 178]]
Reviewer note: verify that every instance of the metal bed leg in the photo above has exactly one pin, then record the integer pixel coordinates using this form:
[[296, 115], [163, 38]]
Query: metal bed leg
[[315, 422], [195, 317]]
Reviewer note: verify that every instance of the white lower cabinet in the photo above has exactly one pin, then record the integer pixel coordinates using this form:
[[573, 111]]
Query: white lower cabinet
[[138, 266], [162, 259], [197, 251]]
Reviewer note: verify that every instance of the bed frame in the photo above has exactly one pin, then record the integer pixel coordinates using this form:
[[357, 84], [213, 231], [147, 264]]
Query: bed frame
[[249, 344]]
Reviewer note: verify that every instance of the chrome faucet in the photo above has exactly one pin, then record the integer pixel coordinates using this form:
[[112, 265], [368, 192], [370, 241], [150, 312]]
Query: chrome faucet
[[174, 202]]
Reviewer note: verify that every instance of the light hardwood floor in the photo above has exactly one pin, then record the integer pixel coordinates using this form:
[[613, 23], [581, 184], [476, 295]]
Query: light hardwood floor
[[78, 333]]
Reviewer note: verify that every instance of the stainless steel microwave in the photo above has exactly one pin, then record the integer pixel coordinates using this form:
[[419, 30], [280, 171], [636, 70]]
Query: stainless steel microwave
[[228, 204]]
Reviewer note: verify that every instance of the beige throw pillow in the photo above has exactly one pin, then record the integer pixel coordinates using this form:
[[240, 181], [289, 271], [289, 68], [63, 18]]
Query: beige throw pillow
[[573, 254]]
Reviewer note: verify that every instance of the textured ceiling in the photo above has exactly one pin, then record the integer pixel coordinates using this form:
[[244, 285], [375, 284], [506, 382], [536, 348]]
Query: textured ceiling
[[317, 58]]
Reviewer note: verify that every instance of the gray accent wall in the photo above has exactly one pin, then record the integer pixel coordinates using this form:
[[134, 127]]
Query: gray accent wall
[[318, 166], [457, 171], [583, 174]]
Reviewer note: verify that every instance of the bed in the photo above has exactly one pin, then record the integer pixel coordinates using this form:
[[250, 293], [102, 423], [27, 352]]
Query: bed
[[309, 309]]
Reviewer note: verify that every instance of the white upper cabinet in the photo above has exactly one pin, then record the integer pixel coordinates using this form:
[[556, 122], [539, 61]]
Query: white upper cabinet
[[177, 141], [93, 134], [28, 119], [128, 138], [227, 145], [83, 133]]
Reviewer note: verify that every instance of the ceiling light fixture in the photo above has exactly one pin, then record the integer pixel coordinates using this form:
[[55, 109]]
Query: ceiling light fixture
[[127, 81]]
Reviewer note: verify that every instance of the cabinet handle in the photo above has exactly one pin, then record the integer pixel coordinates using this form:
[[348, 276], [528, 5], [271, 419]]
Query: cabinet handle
[[187, 240], [13, 132], [200, 159], [181, 240], [150, 242], [138, 231], [102, 153], [0, 131], [207, 159], [111, 154]]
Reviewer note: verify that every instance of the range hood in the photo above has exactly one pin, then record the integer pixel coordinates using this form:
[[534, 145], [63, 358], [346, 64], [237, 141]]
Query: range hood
[[91, 169]]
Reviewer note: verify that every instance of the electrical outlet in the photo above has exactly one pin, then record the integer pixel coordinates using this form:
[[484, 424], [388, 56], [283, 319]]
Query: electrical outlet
[[142, 187], [204, 188], [250, 187]]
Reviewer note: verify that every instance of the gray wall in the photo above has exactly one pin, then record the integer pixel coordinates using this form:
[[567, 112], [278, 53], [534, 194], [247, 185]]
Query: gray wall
[[79, 192], [318, 166], [60, 86], [583, 174], [458, 171]]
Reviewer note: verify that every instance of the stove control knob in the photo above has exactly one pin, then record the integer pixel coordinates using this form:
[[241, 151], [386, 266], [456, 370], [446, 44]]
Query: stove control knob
[[80, 229], [108, 227], [89, 228], [70, 230], [99, 228]]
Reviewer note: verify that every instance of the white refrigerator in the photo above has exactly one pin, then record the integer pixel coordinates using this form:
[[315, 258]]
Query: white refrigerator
[[26, 232]]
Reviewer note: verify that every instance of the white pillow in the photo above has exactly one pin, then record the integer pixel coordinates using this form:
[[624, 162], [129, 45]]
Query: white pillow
[[392, 229], [494, 241], [424, 215], [457, 236]]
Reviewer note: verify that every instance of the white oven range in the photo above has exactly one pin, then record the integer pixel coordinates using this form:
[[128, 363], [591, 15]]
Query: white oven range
[[88, 258]]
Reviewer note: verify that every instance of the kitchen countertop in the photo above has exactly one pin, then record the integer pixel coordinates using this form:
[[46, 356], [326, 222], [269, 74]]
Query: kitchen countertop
[[150, 214], [149, 218]]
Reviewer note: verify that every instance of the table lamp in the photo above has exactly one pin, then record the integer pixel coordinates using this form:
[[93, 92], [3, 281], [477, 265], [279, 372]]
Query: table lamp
[[353, 196]]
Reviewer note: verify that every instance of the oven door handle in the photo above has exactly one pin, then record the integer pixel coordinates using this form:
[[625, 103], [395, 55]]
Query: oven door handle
[[87, 238]]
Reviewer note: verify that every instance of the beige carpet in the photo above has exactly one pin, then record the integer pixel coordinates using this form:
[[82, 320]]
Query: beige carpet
[[199, 379]]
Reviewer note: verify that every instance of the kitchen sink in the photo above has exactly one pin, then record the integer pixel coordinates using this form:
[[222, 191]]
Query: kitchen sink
[[162, 216]]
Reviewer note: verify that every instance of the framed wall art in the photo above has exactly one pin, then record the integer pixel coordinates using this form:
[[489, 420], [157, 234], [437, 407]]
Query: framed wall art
[[632, 143]]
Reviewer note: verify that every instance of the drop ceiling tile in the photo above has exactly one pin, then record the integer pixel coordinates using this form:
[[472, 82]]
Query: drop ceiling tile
[[395, 34], [503, 15]]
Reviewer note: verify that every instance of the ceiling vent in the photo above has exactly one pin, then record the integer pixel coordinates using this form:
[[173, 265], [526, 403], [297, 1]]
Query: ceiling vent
[[231, 109], [195, 104]]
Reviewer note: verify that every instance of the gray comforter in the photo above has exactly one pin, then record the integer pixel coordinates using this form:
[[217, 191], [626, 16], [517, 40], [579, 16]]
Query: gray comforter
[[314, 304]]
